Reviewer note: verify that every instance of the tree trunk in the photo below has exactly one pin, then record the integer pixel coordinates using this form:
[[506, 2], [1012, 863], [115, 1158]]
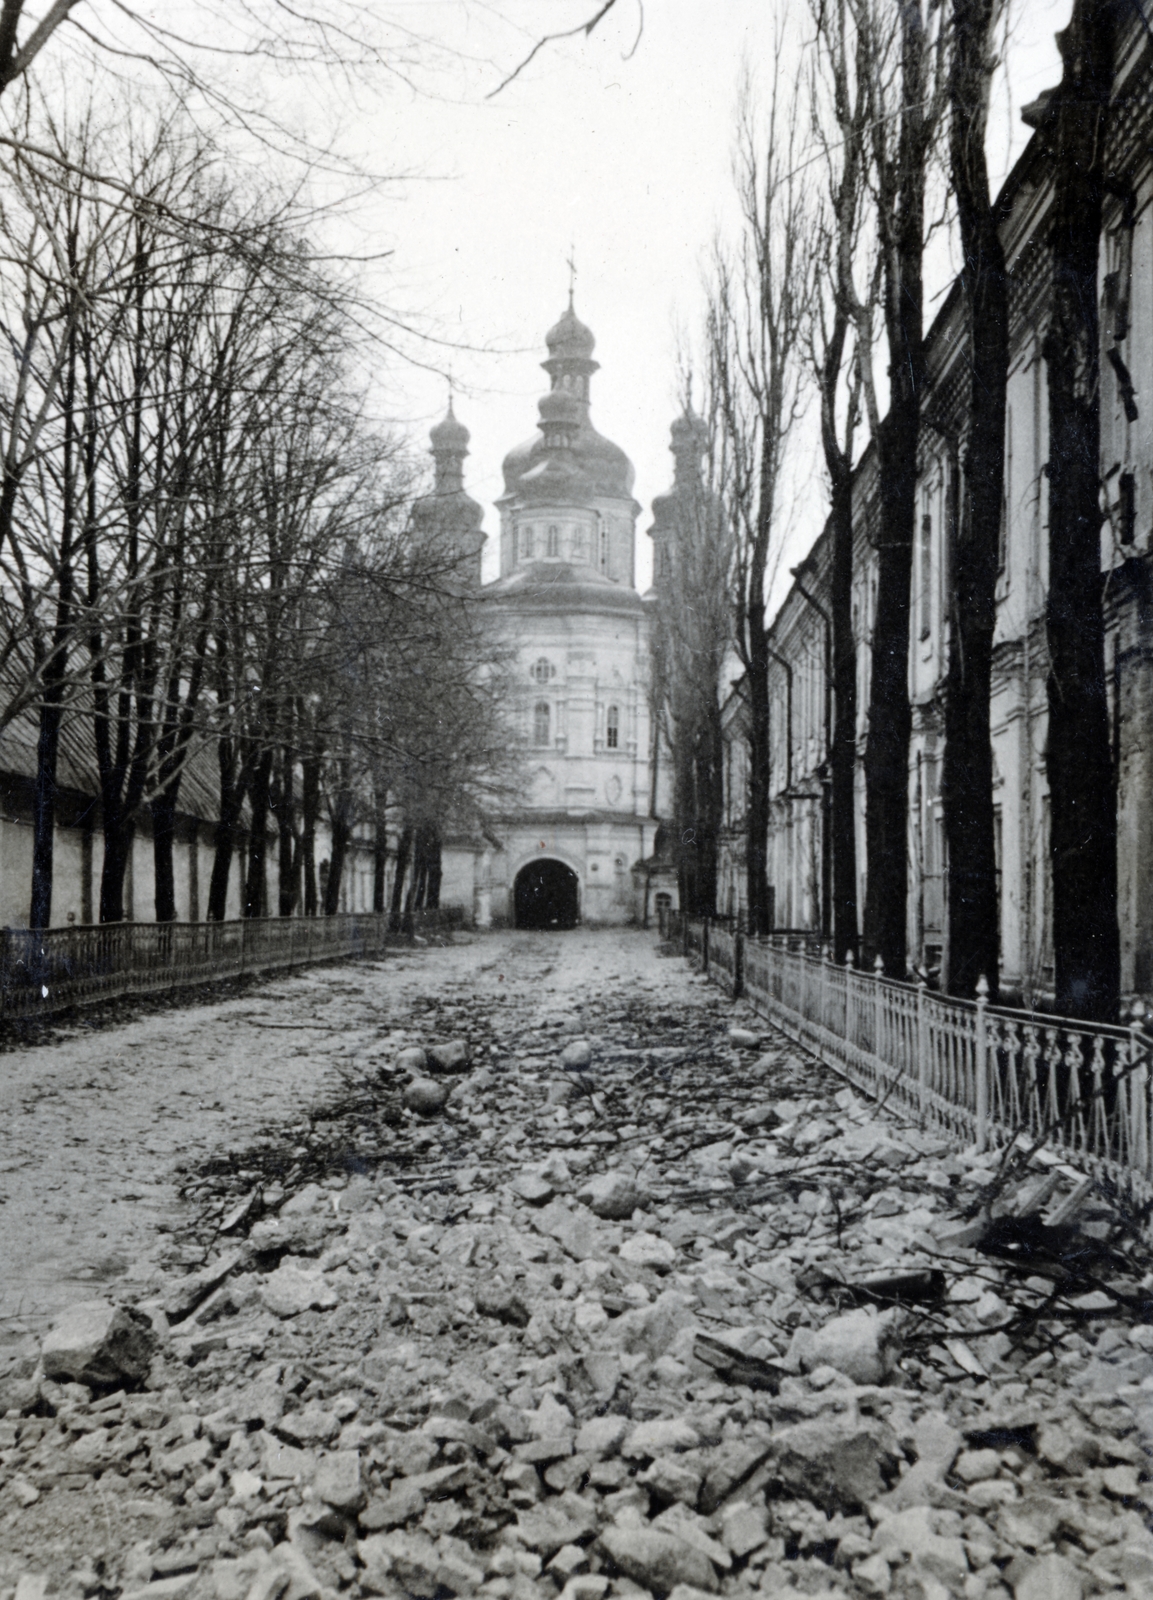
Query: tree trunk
[[227, 830], [256, 889], [760, 780], [282, 803], [403, 851], [843, 755], [162, 807], [420, 866], [973, 945], [309, 812], [1083, 814], [341, 834], [44, 810], [435, 870], [119, 833], [898, 436], [684, 820]]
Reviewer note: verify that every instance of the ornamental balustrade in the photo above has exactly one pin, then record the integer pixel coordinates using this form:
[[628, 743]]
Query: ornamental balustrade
[[984, 1075]]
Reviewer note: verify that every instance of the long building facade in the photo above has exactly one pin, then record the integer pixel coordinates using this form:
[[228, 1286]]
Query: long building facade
[[801, 708]]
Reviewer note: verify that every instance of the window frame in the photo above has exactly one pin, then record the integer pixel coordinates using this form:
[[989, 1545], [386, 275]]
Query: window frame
[[613, 727], [541, 722]]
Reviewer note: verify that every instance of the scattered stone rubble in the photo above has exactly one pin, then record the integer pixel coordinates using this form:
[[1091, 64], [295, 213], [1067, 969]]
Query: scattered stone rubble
[[630, 1300]]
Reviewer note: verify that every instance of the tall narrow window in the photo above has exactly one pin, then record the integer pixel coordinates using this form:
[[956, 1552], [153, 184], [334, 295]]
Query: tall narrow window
[[553, 540], [613, 727], [526, 544], [580, 543], [604, 555], [926, 574], [540, 722]]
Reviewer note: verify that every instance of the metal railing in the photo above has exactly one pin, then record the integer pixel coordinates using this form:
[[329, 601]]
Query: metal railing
[[46, 972], [984, 1075]]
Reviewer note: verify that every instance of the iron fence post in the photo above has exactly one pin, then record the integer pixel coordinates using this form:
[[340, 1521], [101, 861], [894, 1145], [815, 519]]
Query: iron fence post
[[1139, 1089], [922, 1046], [982, 1064], [878, 1000]]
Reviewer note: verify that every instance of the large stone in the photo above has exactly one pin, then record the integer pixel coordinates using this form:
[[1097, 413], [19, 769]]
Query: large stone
[[601, 1436], [612, 1195], [575, 1234], [426, 1096], [658, 1437], [659, 1561], [532, 1187], [731, 1464], [412, 1059], [648, 1250], [496, 1299], [1050, 1578], [838, 1464], [861, 1344], [337, 1481], [187, 1293], [98, 1343], [288, 1291], [936, 1442], [578, 1053], [911, 1534], [450, 1057]]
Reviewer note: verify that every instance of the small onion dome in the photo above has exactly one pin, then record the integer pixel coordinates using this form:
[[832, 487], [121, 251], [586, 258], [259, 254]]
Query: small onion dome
[[690, 433], [449, 436], [570, 338]]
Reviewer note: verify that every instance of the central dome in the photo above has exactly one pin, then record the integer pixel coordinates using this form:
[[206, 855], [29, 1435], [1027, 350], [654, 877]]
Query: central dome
[[567, 458]]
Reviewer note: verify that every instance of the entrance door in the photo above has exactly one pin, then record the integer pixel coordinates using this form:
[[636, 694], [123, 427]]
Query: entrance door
[[546, 895]]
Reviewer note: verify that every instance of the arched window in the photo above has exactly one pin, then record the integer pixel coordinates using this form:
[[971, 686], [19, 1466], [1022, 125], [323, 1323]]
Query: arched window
[[613, 727], [526, 544], [543, 669], [540, 722], [580, 543], [553, 540], [604, 552]]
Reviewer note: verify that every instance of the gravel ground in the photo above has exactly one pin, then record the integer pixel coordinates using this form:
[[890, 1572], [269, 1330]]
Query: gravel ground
[[533, 1267]]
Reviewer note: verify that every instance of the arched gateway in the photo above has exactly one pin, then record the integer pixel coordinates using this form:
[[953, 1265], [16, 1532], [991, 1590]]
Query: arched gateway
[[546, 895]]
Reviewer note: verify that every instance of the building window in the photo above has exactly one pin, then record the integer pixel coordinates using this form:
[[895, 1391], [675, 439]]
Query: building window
[[926, 557], [543, 670], [540, 722], [604, 555], [580, 544], [553, 540], [526, 544], [613, 727]]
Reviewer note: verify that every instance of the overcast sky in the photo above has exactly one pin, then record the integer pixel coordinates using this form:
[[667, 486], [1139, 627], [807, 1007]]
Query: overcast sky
[[616, 147]]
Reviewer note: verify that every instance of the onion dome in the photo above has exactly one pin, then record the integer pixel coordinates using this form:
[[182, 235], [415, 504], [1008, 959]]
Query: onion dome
[[569, 339], [449, 437], [567, 455]]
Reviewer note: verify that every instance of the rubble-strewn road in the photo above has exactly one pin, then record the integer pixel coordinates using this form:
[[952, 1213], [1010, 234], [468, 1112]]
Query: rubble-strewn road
[[531, 1268]]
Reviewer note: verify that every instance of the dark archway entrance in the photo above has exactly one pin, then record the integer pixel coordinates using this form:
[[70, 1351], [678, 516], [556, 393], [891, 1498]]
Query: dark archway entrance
[[545, 896]]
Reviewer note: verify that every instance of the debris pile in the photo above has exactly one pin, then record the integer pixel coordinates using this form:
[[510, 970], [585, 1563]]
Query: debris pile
[[627, 1300]]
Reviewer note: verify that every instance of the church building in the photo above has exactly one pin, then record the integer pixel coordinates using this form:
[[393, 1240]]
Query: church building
[[567, 600]]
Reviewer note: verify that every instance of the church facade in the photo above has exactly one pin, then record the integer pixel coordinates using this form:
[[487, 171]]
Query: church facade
[[566, 600]]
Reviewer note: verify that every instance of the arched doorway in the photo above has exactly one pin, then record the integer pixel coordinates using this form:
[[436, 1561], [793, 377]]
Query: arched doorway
[[545, 895]]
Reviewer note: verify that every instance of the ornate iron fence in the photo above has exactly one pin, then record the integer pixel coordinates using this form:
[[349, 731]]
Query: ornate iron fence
[[41, 973], [983, 1074]]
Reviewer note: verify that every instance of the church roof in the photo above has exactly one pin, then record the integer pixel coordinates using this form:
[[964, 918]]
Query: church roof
[[556, 586]]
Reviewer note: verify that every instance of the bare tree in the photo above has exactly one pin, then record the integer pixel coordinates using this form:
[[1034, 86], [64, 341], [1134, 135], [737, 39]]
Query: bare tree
[[973, 944], [841, 351], [692, 540], [756, 323], [1083, 807], [905, 55]]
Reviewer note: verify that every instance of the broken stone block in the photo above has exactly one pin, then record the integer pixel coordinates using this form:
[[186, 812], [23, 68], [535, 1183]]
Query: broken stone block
[[601, 1436], [674, 1478], [577, 1053], [730, 1464], [1067, 1447], [648, 1250], [532, 1188], [496, 1299], [411, 1059], [97, 1343], [403, 1503], [337, 1481], [547, 1528], [657, 1560], [611, 1195], [743, 1528], [745, 1038], [426, 1096], [576, 1234], [450, 1057], [973, 1466], [187, 1293], [911, 1534], [837, 1463], [658, 1437], [1050, 1578], [288, 1291], [861, 1344]]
